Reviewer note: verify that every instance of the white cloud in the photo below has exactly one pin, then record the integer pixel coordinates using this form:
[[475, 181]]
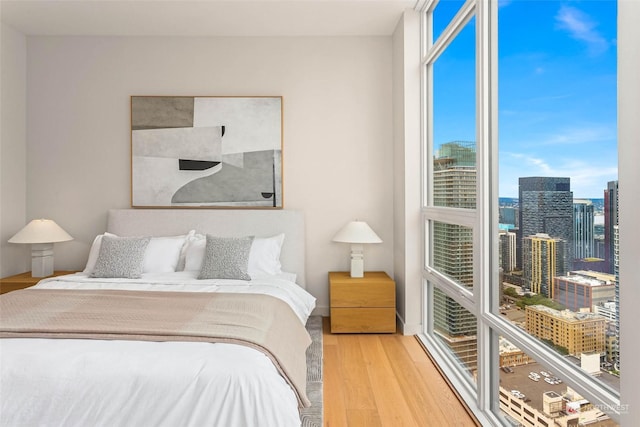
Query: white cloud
[[540, 166], [549, 98], [588, 178], [581, 27], [581, 135], [598, 134]]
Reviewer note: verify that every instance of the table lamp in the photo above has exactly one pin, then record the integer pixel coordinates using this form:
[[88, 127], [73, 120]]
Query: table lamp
[[41, 234], [357, 233]]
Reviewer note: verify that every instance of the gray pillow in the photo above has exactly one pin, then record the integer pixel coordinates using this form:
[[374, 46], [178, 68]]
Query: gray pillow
[[226, 258], [121, 257]]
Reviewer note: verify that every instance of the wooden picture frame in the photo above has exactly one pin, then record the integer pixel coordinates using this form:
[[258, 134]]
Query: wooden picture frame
[[206, 152]]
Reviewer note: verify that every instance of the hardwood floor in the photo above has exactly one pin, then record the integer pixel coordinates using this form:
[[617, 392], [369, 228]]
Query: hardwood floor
[[385, 380]]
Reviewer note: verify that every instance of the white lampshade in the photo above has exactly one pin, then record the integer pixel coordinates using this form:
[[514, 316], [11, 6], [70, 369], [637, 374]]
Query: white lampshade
[[41, 231], [357, 233], [41, 234]]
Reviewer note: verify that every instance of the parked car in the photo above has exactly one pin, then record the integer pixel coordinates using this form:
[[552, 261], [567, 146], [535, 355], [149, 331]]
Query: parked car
[[517, 394]]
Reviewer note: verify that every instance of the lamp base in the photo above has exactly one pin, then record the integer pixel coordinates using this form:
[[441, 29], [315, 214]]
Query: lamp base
[[357, 261], [41, 259]]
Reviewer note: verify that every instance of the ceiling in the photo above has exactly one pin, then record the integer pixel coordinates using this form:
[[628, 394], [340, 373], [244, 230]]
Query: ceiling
[[204, 17]]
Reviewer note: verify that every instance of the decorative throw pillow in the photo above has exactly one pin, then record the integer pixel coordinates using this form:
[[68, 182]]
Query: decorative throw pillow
[[226, 258], [94, 251], [121, 257]]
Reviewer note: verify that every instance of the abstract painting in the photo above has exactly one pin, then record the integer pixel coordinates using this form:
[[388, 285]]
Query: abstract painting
[[208, 151]]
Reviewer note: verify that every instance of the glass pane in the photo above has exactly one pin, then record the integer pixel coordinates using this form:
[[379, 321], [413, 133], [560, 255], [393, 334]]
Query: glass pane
[[558, 176], [443, 13], [531, 394], [452, 252], [455, 327], [454, 122]]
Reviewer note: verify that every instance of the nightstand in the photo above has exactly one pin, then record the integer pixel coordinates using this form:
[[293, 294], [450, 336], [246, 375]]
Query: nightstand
[[366, 304], [24, 280]]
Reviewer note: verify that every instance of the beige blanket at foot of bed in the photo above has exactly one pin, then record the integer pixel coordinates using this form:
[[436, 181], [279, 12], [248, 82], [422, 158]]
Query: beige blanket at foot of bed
[[259, 321]]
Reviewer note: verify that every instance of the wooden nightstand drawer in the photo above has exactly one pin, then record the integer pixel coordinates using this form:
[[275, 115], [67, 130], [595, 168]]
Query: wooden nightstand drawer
[[363, 294], [366, 304], [363, 320]]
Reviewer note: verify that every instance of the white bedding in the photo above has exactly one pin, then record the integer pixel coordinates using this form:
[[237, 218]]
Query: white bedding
[[301, 301], [131, 383]]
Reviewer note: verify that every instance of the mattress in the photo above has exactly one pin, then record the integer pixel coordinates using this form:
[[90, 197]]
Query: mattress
[[80, 382]]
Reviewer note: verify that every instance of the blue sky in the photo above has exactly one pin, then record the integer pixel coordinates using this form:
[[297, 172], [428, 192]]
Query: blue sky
[[556, 91]]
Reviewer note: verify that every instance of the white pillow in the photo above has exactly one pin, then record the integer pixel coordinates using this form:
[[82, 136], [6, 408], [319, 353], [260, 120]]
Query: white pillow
[[94, 252], [189, 239], [162, 254], [264, 257], [195, 253]]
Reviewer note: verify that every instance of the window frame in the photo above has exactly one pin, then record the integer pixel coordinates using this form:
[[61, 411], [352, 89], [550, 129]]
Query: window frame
[[483, 300]]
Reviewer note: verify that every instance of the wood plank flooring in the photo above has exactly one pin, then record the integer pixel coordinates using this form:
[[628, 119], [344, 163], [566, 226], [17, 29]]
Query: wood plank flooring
[[385, 380]]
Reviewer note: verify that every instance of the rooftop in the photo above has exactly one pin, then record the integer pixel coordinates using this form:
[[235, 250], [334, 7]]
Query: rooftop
[[565, 314], [605, 277], [585, 280]]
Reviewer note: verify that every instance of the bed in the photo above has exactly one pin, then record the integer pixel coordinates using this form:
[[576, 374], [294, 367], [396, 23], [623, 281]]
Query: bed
[[181, 317]]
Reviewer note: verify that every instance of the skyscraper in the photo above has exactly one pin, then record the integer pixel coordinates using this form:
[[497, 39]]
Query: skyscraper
[[508, 215], [454, 175], [610, 221], [544, 258], [583, 218], [454, 184], [507, 250], [546, 206], [611, 251], [616, 272]]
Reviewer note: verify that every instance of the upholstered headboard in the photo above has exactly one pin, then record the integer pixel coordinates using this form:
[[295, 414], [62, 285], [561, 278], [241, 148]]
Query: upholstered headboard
[[219, 222]]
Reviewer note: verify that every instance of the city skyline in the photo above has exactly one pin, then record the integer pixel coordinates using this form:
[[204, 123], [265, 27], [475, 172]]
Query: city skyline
[[557, 92]]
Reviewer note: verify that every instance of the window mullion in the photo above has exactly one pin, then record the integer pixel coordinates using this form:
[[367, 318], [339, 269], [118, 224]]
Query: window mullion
[[460, 216], [456, 25], [485, 249]]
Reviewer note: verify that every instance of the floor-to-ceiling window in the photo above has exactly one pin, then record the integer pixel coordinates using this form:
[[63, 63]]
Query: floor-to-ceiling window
[[519, 211]]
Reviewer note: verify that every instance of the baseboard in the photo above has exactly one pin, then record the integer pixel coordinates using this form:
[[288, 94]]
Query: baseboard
[[409, 329]]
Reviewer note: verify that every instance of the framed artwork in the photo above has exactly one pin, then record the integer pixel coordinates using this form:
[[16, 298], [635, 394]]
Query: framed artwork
[[209, 151]]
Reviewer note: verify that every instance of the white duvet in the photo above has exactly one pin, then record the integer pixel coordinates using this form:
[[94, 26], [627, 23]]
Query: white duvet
[[49, 382]]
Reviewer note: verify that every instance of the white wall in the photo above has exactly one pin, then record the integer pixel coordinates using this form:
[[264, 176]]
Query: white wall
[[13, 258], [629, 204], [337, 129], [406, 189]]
